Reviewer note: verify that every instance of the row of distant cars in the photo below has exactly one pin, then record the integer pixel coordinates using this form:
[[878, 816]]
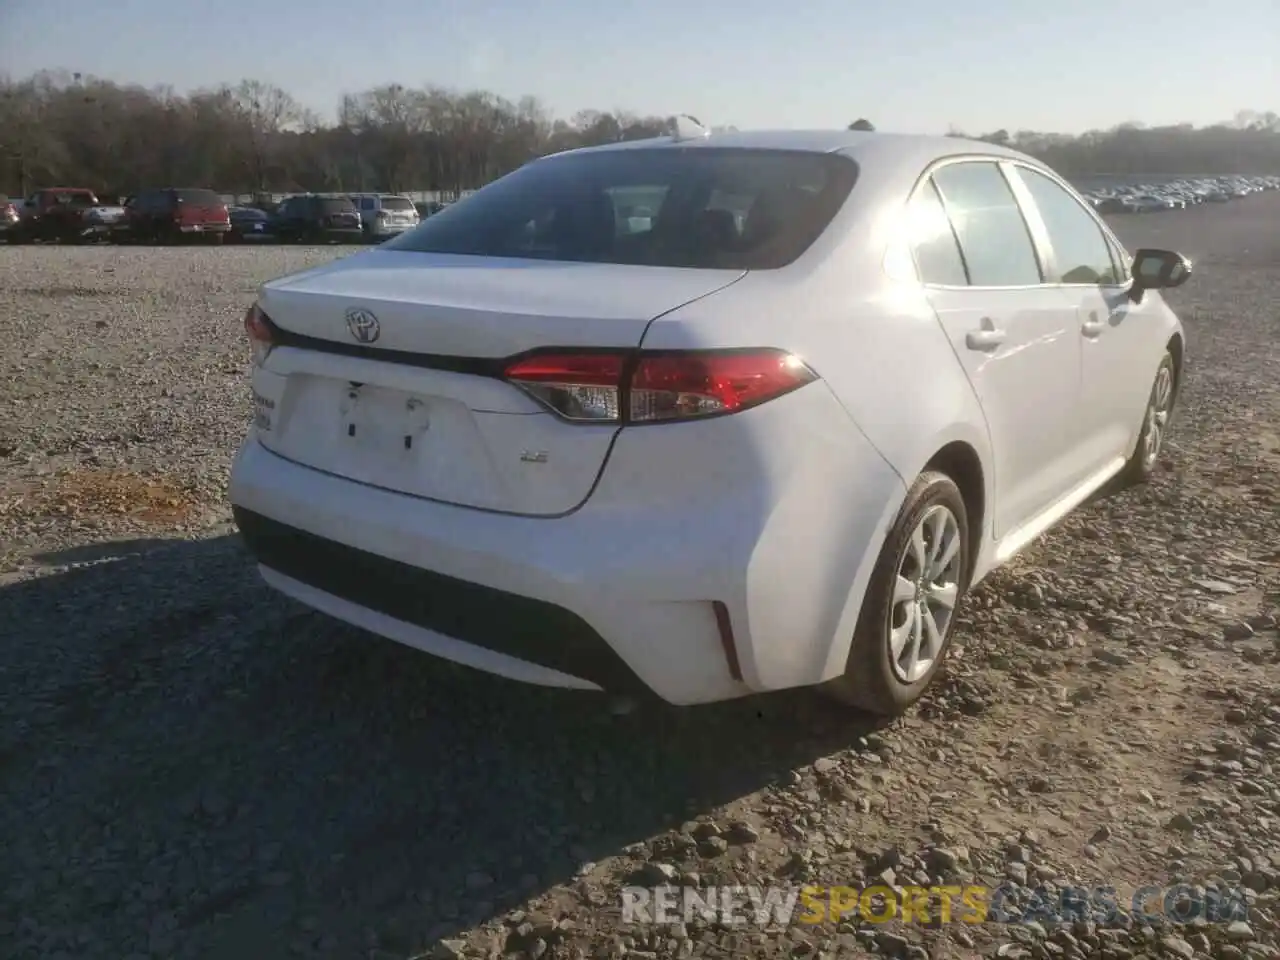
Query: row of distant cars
[[175, 214], [1178, 194], [172, 214]]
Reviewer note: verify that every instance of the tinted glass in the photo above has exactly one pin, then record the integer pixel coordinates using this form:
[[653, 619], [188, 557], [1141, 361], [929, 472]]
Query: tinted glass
[[396, 203], [993, 236], [1079, 245], [933, 242], [72, 198], [335, 205], [654, 207], [201, 198]]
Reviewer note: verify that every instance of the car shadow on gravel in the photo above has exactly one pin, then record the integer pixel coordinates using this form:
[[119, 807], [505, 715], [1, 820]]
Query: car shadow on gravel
[[252, 772]]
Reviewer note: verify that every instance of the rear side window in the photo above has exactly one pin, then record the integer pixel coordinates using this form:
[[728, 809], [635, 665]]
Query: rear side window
[[1080, 250], [993, 236], [335, 205], [396, 203], [933, 241], [702, 207], [199, 198]]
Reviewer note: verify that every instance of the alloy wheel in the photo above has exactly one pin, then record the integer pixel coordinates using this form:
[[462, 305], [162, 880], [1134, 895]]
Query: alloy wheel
[[925, 592], [1158, 410]]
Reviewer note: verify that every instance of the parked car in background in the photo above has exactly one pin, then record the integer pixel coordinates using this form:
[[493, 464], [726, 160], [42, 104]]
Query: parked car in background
[[385, 215], [67, 214], [8, 215], [1147, 203], [310, 218], [524, 439], [248, 224], [264, 202], [428, 208], [173, 214]]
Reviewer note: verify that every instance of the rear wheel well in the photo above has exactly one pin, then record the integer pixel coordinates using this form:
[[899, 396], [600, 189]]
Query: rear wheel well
[[960, 462]]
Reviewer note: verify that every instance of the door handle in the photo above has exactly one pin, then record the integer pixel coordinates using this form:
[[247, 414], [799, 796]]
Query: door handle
[[987, 338], [1092, 327]]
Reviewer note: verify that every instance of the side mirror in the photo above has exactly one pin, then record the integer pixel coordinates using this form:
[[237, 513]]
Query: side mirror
[[1158, 270]]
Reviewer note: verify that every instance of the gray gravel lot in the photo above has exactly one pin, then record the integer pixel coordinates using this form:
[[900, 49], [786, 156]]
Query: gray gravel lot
[[191, 766]]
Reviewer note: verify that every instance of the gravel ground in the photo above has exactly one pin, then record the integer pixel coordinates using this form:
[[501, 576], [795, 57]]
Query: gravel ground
[[191, 766]]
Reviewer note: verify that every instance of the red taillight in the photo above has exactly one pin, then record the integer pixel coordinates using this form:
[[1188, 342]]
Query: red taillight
[[258, 327], [594, 387]]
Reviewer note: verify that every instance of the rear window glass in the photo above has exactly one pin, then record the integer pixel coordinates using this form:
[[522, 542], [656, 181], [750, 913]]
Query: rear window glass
[[335, 205], [733, 209], [72, 198], [396, 203], [204, 198]]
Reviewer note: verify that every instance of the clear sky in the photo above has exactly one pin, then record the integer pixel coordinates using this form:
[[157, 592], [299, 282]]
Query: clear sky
[[908, 65]]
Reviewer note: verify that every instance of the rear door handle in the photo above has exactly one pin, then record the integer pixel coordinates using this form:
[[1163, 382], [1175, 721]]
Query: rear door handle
[[987, 338]]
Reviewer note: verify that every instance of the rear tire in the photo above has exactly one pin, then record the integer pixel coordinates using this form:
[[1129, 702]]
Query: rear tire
[[912, 600], [1155, 425]]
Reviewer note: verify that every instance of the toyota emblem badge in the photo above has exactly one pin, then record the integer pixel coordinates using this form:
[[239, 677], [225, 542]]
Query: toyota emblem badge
[[363, 325]]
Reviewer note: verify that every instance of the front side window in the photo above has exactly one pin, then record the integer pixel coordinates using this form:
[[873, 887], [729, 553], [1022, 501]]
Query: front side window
[[933, 240], [1119, 260], [1080, 251], [648, 207], [993, 235]]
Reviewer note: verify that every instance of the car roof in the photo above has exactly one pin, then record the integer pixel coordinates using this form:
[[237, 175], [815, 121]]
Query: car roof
[[863, 146]]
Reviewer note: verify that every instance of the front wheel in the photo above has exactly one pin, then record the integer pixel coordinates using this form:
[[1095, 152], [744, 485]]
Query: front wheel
[[1155, 425], [911, 602]]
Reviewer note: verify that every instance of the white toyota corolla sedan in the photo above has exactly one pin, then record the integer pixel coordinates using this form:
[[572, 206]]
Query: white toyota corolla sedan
[[706, 415]]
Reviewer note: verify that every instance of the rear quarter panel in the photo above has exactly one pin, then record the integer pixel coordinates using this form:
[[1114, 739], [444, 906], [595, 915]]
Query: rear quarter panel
[[872, 336], [852, 308]]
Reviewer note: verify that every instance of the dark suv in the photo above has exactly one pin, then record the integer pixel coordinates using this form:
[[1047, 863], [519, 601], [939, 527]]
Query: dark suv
[[313, 219]]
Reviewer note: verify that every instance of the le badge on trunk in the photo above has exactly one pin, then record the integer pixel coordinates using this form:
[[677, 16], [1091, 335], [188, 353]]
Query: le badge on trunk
[[363, 324]]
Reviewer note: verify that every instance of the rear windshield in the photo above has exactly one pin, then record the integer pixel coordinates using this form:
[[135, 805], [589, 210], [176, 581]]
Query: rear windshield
[[200, 198], [73, 198], [396, 203], [733, 209], [335, 205]]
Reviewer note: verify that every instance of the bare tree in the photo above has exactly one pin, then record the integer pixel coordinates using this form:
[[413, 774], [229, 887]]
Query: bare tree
[[252, 136], [266, 112]]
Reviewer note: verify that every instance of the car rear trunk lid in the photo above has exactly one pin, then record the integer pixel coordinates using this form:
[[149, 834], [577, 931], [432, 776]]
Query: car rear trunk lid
[[421, 408]]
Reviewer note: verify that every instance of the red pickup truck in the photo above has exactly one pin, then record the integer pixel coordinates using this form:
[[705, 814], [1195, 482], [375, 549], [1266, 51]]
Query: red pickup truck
[[64, 213]]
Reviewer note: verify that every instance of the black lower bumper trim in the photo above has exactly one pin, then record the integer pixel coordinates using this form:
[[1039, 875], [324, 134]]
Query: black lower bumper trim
[[531, 630]]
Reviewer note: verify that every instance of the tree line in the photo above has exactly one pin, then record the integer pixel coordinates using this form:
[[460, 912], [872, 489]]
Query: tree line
[[71, 130]]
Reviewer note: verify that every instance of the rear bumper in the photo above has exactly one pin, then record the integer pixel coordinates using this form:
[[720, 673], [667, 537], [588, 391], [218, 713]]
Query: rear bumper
[[777, 514], [488, 619], [387, 230], [205, 227]]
